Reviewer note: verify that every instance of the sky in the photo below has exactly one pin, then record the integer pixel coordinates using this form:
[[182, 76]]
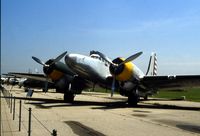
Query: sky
[[117, 28]]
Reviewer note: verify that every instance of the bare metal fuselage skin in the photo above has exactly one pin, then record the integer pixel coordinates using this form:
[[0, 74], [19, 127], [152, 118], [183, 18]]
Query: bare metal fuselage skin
[[91, 69], [95, 69]]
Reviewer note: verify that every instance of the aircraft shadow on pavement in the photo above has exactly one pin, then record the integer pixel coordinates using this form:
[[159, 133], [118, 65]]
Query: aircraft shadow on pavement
[[191, 128], [59, 103], [148, 106], [83, 130], [181, 125], [51, 103]]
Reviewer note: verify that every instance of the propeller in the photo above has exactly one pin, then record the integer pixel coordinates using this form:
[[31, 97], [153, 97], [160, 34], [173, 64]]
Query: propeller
[[59, 57], [149, 65], [39, 61], [48, 65], [113, 87], [54, 61], [131, 58], [116, 66], [46, 87]]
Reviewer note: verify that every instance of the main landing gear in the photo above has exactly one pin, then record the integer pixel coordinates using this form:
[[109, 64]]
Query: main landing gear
[[133, 99], [69, 97]]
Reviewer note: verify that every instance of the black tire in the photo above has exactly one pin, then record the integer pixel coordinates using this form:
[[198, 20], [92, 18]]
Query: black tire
[[146, 97], [45, 91], [69, 97], [133, 100], [26, 90]]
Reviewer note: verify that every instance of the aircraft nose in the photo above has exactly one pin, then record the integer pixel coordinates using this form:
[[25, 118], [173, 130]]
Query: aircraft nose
[[70, 59]]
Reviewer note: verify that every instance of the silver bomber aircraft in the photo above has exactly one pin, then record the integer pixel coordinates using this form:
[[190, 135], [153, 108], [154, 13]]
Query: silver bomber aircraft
[[80, 72]]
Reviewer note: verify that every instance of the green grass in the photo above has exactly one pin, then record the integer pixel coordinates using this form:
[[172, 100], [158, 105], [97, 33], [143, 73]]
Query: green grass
[[192, 94], [101, 90]]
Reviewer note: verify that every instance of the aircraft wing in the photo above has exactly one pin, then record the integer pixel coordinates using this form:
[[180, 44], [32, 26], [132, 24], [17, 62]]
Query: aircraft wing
[[31, 83], [171, 82], [39, 77]]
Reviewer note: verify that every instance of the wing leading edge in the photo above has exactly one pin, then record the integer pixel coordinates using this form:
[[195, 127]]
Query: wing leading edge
[[171, 82], [39, 77]]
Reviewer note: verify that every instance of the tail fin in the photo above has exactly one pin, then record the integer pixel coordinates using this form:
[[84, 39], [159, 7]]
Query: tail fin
[[152, 67], [155, 65]]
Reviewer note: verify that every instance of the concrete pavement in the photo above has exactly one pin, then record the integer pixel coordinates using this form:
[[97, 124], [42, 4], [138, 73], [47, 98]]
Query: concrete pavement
[[96, 114]]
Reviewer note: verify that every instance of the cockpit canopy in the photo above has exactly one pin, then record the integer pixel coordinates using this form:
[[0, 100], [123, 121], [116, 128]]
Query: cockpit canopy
[[95, 56], [98, 57]]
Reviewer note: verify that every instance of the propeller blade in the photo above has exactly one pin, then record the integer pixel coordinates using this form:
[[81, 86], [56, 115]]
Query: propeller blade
[[46, 87], [149, 65], [131, 58], [113, 87], [38, 61], [59, 57]]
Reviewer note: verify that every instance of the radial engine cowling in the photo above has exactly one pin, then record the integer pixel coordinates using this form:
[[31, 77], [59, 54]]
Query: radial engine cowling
[[123, 72], [53, 71]]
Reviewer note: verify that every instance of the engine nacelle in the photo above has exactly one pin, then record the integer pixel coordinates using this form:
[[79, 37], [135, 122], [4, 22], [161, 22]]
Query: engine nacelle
[[57, 70], [69, 83], [53, 70], [125, 88]]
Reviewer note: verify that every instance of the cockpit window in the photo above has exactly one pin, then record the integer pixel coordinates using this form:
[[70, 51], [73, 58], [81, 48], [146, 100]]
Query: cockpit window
[[96, 56]]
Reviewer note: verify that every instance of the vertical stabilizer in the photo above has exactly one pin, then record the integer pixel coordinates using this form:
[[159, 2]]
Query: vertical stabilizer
[[155, 65], [152, 67]]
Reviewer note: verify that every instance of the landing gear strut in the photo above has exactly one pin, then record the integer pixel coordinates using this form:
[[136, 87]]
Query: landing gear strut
[[69, 97]]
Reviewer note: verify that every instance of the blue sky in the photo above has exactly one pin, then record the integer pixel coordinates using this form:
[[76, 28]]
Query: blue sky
[[46, 28]]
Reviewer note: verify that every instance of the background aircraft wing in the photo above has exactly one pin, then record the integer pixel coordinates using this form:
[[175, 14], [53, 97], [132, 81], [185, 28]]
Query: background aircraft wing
[[171, 82], [39, 77]]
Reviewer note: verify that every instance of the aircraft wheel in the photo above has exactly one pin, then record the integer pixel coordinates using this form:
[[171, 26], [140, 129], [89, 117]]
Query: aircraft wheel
[[26, 90], [133, 100], [44, 90], [69, 97], [146, 97]]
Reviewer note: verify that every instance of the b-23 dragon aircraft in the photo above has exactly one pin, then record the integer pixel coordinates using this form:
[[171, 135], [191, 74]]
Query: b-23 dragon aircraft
[[81, 72]]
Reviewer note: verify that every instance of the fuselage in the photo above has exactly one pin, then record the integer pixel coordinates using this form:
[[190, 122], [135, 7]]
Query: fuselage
[[96, 69], [90, 68]]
